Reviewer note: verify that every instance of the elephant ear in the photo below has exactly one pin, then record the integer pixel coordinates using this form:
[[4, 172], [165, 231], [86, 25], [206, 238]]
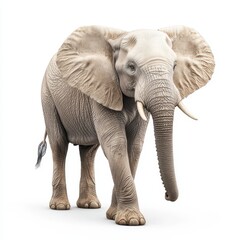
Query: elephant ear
[[85, 61], [195, 61]]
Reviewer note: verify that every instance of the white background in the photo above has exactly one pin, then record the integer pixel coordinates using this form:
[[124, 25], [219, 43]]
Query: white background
[[206, 151]]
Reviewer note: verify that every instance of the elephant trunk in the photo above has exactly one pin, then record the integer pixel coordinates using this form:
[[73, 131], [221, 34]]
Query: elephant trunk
[[160, 99], [163, 126]]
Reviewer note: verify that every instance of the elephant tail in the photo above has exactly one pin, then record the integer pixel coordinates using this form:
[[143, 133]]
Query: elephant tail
[[42, 147]]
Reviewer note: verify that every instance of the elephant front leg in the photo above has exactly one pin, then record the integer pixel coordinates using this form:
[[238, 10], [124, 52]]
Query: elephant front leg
[[135, 137], [135, 133], [134, 151], [87, 191], [127, 210], [110, 128], [112, 210]]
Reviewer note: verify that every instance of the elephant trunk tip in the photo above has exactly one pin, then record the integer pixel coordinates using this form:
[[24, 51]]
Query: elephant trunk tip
[[171, 197]]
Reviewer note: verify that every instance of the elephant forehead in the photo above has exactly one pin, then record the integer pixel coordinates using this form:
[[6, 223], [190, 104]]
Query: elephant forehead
[[147, 44], [145, 37]]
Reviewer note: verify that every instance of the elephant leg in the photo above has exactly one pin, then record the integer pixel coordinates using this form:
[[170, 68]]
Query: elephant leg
[[112, 210], [135, 136], [125, 193], [87, 191], [59, 198], [59, 144], [112, 136]]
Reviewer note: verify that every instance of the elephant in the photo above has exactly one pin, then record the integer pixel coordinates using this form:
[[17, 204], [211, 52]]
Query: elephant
[[100, 89]]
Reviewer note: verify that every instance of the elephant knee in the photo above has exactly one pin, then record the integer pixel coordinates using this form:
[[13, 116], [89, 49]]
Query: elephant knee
[[119, 150], [135, 151], [115, 149]]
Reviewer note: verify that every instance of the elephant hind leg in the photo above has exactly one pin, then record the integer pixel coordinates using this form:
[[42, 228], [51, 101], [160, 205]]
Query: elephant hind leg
[[59, 200], [87, 190], [59, 145]]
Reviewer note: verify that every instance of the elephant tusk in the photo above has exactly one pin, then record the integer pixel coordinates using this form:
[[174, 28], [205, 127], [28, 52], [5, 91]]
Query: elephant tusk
[[141, 112], [184, 109]]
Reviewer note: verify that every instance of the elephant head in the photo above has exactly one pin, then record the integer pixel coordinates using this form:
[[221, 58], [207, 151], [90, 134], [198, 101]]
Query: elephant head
[[157, 68]]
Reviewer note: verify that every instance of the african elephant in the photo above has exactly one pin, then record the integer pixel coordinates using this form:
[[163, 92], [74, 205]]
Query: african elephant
[[100, 89]]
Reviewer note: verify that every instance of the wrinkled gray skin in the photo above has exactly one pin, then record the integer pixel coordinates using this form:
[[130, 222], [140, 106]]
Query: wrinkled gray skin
[[80, 109]]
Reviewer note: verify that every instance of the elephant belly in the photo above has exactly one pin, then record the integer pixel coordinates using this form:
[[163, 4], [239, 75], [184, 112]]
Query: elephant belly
[[80, 137], [76, 118], [74, 110], [79, 126]]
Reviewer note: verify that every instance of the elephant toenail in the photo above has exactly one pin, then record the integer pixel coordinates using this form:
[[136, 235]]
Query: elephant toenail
[[133, 222], [93, 205], [122, 222], [142, 221], [53, 206], [61, 206]]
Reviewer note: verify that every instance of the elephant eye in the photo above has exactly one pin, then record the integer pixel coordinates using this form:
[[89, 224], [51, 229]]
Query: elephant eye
[[174, 66], [131, 67]]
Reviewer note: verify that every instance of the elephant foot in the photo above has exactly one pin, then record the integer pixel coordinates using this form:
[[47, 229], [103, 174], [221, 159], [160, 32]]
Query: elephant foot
[[88, 201], [131, 217], [59, 204], [111, 213]]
